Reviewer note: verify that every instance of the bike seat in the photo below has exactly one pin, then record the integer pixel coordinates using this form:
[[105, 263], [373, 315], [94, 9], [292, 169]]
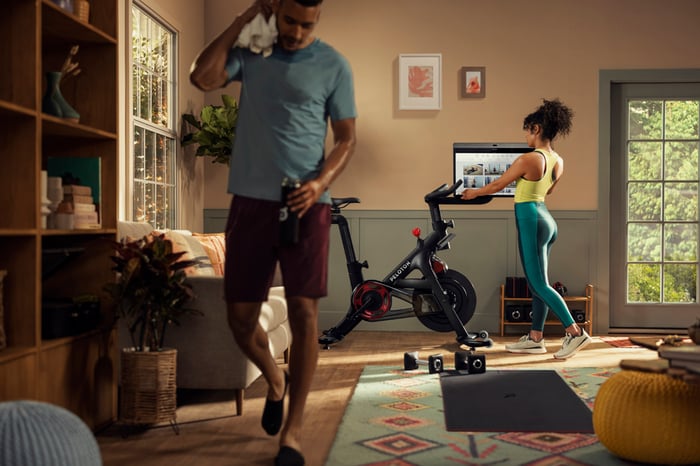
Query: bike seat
[[340, 202]]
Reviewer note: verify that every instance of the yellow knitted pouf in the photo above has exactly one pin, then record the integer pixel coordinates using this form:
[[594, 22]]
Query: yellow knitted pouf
[[649, 417]]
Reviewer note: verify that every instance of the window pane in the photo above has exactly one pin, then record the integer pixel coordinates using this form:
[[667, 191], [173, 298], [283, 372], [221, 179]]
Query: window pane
[[645, 119], [643, 283], [139, 201], [681, 242], [681, 201], [681, 161], [681, 120], [680, 283], [644, 201], [144, 95], [644, 160], [644, 242], [150, 155], [139, 154], [150, 203]]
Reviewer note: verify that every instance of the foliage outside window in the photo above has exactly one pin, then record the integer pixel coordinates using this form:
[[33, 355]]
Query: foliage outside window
[[662, 201], [154, 154]]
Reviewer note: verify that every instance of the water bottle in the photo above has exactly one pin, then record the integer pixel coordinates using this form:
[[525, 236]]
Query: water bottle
[[289, 221]]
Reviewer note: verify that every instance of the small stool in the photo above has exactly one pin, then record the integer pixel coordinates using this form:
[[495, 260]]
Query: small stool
[[649, 417]]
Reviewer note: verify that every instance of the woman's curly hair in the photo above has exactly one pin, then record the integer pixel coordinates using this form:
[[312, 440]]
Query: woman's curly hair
[[553, 116]]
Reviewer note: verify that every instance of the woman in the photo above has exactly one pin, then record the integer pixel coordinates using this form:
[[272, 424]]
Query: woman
[[536, 174]]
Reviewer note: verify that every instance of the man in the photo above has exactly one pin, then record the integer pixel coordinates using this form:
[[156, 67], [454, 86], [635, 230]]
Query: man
[[286, 101]]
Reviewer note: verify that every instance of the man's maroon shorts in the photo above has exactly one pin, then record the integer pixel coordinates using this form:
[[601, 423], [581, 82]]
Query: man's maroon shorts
[[252, 251]]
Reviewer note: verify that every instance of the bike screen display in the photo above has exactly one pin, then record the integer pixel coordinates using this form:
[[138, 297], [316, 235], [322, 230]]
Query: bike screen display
[[478, 164]]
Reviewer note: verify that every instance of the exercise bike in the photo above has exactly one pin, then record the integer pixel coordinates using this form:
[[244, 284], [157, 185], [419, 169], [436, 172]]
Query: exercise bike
[[443, 300]]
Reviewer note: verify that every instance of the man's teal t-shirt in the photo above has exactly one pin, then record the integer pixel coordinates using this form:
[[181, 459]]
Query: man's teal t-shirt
[[285, 103]]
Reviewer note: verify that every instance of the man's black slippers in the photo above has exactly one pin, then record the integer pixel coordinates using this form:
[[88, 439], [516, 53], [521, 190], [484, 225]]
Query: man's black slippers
[[288, 456], [273, 413]]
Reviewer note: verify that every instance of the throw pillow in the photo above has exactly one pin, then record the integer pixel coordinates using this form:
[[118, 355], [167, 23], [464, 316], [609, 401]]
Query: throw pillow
[[3, 339], [215, 246], [182, 243]]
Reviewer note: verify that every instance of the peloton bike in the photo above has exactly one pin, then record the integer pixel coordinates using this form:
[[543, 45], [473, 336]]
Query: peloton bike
[[442, 299]]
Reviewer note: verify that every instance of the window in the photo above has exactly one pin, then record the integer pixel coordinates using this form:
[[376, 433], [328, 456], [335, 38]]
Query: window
[[654, 193], [662, 201], [153, 163]]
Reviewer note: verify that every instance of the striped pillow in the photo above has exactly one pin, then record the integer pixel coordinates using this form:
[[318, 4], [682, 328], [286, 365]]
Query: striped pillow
[[215, 246], [193, 251]]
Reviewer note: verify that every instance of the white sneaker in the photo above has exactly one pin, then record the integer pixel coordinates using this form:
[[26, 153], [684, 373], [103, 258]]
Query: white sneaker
[[571, 344], [527, 345]]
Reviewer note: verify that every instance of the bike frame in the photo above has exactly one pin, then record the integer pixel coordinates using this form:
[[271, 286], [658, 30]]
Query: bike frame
[[420, 258]]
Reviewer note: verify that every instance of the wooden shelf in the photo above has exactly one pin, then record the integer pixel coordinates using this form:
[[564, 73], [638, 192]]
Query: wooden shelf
[[62, 26], [586, 300], [75, 372], [13, 110], [58, 127]]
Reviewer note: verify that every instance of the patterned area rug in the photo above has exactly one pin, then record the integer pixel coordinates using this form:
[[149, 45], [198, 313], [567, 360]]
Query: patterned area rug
[[395, 418], [619, 342]]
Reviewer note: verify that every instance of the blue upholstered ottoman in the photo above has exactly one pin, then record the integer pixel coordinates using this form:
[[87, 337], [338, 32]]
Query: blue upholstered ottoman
[[33, 433]]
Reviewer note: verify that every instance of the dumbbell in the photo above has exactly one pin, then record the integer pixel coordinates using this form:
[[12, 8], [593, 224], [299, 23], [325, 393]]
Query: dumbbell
[[470, 361], [434, 362]]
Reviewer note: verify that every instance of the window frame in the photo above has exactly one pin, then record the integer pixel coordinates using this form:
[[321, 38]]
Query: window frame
[[131, 119]]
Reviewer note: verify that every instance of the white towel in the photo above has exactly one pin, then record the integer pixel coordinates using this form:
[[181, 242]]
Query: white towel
[[259, 35]]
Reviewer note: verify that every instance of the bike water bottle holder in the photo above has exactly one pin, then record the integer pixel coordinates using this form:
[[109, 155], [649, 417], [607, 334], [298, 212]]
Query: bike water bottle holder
[[372, 299]]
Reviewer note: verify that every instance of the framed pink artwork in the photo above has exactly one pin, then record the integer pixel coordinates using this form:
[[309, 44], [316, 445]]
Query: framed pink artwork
[[473, 82], [420, 81]]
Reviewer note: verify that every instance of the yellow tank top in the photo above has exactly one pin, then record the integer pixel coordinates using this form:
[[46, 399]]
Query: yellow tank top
[[535, 191]]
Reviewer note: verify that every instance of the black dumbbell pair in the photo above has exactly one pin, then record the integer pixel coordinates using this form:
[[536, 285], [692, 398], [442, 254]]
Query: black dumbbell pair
[[467, 361]]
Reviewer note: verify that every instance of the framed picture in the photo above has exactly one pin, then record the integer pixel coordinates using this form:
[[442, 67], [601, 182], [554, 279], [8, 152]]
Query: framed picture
[[420, 81], [473, 82]]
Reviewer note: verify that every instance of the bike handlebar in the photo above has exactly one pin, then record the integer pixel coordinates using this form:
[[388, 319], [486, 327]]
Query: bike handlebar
[[442, 191], [440, 196]]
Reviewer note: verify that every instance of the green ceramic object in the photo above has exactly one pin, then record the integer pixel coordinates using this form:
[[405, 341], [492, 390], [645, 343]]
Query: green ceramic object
[[53, 102]]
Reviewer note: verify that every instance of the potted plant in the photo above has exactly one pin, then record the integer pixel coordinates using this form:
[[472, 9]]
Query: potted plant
[[214, 131], [150, 293], [151, 290]]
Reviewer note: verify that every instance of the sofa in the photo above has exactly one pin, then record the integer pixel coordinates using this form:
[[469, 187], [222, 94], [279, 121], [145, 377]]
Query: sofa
[[207, 354]]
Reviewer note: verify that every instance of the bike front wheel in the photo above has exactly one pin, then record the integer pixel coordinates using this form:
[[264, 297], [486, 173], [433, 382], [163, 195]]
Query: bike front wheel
[[461, 295]]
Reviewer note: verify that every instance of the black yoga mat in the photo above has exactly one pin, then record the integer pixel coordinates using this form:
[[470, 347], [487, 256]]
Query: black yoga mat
[[512, 401]]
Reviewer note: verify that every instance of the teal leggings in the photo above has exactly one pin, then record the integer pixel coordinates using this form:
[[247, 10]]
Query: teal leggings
[[537, 231]]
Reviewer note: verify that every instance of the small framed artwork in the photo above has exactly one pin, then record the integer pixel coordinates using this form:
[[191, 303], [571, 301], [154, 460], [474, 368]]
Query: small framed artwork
[[420, 81], [473, 82]]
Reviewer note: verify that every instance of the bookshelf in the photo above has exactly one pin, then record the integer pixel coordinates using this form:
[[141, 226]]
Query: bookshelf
[[77, 372]]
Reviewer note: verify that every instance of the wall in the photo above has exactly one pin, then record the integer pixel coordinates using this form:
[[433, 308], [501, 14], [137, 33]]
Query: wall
[[531, 50], [402, 154]]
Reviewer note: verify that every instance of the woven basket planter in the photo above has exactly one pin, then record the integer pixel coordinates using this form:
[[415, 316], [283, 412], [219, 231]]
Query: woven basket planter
[[149, 390]]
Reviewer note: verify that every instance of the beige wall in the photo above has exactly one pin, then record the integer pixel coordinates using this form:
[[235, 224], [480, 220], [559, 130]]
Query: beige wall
[[531, 50]]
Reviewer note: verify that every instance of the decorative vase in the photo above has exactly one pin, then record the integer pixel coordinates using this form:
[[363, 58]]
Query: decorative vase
[[53, 102], [55, 194], [45, 202], [82, 10]]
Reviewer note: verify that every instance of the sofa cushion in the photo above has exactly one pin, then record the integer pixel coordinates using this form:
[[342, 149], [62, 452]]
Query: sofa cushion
[[129, 229], [193, 251], [215, 246], [274, 311]]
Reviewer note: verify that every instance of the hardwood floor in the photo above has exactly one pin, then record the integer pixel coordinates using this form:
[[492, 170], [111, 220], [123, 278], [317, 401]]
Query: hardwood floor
[[209, 434]]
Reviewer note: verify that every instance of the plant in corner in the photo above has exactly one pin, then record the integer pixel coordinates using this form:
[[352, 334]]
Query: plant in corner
[[215, 130], [151, 291]]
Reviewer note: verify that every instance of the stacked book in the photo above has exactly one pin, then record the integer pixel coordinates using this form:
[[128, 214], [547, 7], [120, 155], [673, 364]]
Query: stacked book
[[685, 357], [80, 198]]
